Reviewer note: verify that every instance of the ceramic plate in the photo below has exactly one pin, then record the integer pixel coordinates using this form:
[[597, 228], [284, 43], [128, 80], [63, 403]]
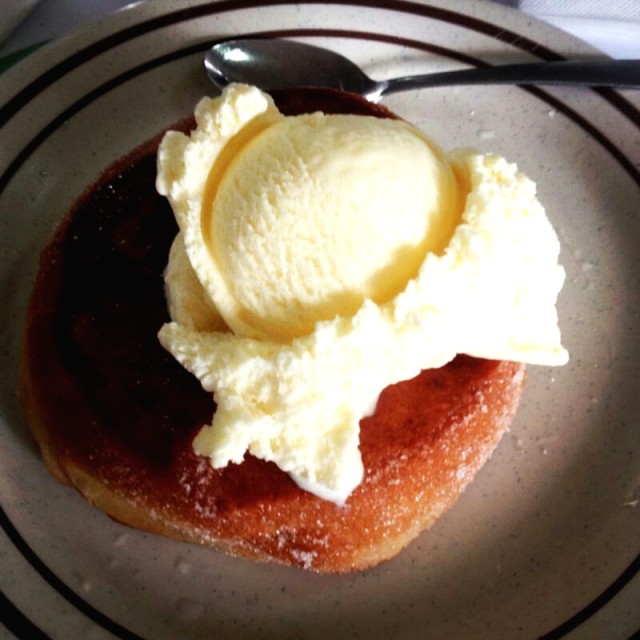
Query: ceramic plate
[[545, 542]]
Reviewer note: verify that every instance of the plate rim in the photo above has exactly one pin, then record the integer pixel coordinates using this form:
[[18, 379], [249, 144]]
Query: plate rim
[[627, 109]]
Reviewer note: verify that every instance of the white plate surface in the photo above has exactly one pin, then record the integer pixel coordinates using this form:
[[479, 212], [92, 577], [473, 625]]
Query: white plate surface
[[545, 543]]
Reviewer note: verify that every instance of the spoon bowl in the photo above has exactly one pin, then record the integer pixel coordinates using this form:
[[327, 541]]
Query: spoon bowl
[[283, 64]]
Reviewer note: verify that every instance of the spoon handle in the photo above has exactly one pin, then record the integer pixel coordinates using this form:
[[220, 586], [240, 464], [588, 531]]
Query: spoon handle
[[623, 74]]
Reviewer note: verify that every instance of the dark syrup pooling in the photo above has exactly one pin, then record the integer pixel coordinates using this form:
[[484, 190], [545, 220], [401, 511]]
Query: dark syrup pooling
[[104, 286]]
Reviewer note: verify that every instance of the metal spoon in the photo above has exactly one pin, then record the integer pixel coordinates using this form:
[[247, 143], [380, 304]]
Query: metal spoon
[[280, 64]]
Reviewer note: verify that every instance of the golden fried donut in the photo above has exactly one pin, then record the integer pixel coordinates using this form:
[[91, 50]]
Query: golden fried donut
[[115, 415]]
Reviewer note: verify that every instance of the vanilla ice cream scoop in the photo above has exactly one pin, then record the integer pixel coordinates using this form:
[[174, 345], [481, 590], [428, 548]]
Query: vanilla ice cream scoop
[[317, 213], [322, 258]]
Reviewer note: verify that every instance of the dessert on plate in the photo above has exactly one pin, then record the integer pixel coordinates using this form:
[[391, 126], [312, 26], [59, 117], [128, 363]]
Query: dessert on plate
[[304, 347]]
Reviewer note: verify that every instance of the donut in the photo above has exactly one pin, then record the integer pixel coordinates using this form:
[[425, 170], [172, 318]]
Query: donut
[[115, 415]]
